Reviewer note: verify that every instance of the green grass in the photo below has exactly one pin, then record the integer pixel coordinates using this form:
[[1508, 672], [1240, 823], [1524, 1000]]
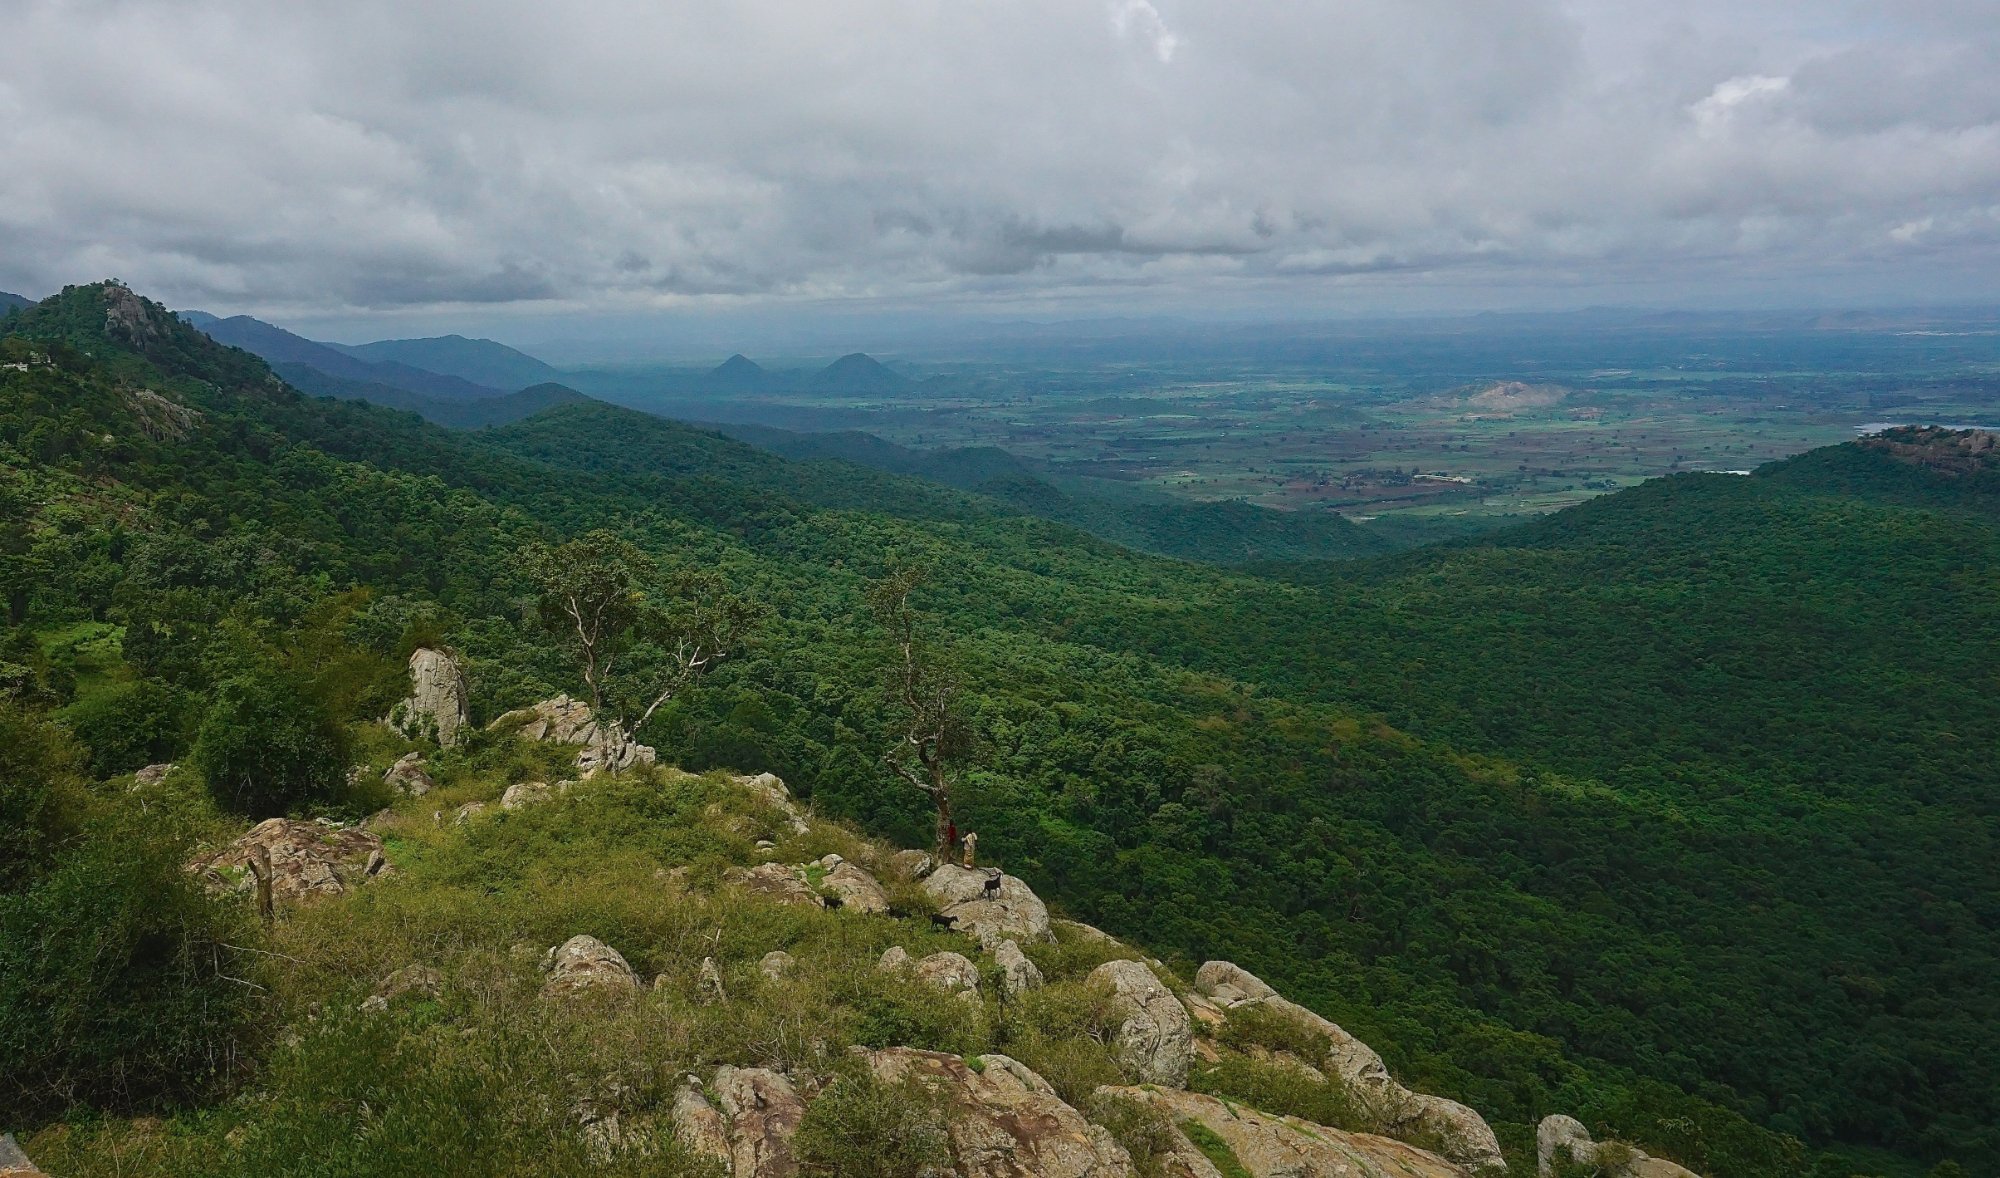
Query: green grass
[[1215, 1149]]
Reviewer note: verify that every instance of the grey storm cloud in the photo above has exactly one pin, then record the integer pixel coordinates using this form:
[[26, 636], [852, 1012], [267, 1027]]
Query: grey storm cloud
[[360, 154]]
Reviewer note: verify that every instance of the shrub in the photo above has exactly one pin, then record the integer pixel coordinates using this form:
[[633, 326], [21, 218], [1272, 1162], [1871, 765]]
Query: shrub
[[862, 1127], [267, 746], [127, 725]]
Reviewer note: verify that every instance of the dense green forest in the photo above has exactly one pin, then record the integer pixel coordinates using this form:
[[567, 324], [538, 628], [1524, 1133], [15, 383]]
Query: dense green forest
[[1673, 812]]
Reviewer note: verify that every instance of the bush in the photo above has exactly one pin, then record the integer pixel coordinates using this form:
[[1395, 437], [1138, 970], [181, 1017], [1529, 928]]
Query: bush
[[267, 746], [127, 726], [861, 1127], [40, 797], [112, 986]]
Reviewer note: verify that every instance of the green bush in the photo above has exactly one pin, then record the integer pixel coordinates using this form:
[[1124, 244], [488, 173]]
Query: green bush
[[127, 726], [862, 1127], [268, 746], [117, 988]]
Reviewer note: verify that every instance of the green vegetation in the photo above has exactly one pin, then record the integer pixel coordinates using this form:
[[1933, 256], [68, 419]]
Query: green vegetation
[[1673, 812]]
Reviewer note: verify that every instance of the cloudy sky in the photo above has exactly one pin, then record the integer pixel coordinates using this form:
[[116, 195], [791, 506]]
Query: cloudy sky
[[350, 161]]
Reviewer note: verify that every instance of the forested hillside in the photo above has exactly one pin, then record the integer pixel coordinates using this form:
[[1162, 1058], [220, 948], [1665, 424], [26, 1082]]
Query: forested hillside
[[1673, 812]]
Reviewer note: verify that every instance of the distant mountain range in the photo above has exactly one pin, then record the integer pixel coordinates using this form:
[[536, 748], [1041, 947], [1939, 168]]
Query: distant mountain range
[[856, 372], [10, 301], [481, 361]]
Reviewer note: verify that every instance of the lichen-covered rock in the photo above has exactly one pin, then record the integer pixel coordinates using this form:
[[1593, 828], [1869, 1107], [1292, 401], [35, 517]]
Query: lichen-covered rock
[[1155, 1038], [912, 865], [436, 707], [407, 776], [586, 965], [526, 793], [1564, 1139], [894, 959], [779, 882], [708, 987], [420, 980], [563, 720], [1469, 1139], [308, 859], [13, 1162], [465, 813], [1008, 909], [948, 971], [1005, 1121], [773, 793], [776, 965], [150, 775], [763, 1111], [698, 1124], [1280, 1147], [854, 888], [1018, 975]]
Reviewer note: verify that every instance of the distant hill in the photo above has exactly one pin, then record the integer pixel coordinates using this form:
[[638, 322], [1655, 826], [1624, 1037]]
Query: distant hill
[[282, 349], [740, 372], [453, 412], [858, 372], [481, 361], [10, 301]]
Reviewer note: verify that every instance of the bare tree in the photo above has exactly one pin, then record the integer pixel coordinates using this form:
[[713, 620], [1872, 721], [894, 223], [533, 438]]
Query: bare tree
[[639, 638], [934, 731]]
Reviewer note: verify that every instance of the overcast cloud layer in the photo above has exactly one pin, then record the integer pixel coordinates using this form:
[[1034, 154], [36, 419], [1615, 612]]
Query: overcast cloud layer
[[323, 157]]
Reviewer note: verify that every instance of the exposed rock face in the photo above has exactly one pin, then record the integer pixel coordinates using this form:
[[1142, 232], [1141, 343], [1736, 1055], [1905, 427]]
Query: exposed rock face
[[150, 775], [1470, 1140], [586, 965], [14, 1163], [1005, 1121], [1949, 452], [759, 1113], [563, 720], [912, 864], [1009, 910], [773, 792], [1155, 1036], [436, 708], [948, 971], [853, 887], [420, 980], [407, 776], [1559, 1135], [1282, 1147], [526, 793], [1018, 975], [697, 1123], [776, 965], [308, 859], [775, 881]]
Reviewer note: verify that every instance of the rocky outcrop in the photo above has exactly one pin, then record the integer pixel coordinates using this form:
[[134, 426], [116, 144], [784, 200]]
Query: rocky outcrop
[[420, 980], [748, 1127], [150, 775], [407, 776], [13, 1162], [1008, 909], [894, 959], [585, 965], [308, 859], [912, 865], [467, 813], [1155, 1040], [773, 793], [1559, 1138], [851, 887], [562, 720], [951, 972], [1004, 1121], [708, 988], [1469, 1140], [1018, 975], [527, 793], [777, 882], [436, 707], [1278, 1147], [777, 965]]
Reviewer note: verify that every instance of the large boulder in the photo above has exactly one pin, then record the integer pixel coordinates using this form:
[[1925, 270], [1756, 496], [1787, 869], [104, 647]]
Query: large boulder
[[1278, 1147], [770, 790], [13, 1162], [585, 965], [951, 972], [1155, 1038], [436, 707], [1004, 1121], [308, 859], [1018, 975], [407, 776], [778, 882], [748, 1127], [1467, 1137], [563, 720], [852, 887], [1564, 1139], [1009, 909]]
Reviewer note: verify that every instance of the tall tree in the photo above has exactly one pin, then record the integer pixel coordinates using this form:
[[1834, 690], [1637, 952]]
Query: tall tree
[[927, 689], [640, 637]]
